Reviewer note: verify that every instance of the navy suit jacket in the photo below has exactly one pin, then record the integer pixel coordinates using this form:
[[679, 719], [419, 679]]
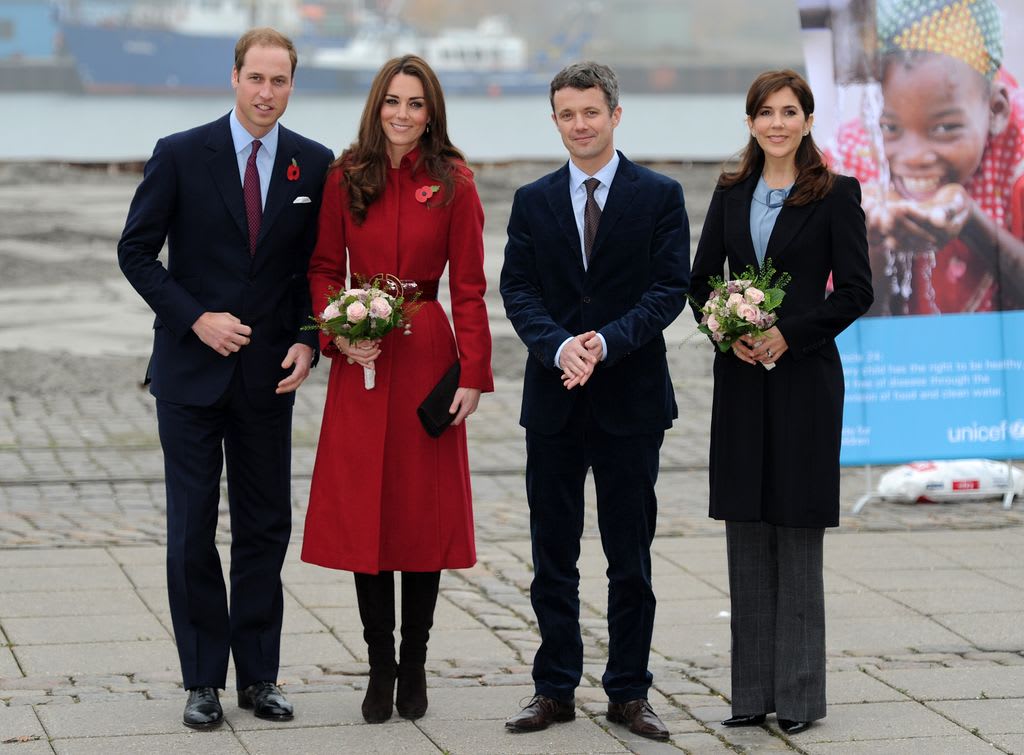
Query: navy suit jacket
[[634, 287], [191, 196]]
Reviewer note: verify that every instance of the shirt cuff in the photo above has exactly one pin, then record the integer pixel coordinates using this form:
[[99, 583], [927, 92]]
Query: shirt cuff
[[604, 347], [558, 354]]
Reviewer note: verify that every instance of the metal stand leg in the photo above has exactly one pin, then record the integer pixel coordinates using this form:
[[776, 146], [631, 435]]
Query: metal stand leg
[[868, 494], [1010, 487]]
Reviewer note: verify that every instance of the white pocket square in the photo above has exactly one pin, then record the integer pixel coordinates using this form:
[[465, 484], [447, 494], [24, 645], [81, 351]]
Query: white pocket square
[[302, 200]]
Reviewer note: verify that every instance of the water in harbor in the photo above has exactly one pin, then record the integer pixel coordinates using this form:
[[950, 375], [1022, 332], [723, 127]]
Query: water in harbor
[[98, 128]]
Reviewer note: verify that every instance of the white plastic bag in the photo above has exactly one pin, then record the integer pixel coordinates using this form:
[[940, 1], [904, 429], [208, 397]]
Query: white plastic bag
[[954, 480]]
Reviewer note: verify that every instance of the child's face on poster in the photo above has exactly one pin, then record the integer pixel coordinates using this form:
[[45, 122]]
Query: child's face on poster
[[936, 121]]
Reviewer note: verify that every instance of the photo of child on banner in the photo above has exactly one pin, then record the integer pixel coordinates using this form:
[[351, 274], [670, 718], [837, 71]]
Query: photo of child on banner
[[942, 164]]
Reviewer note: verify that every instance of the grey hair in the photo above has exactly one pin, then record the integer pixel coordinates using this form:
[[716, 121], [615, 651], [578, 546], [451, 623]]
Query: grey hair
[[586, 75]]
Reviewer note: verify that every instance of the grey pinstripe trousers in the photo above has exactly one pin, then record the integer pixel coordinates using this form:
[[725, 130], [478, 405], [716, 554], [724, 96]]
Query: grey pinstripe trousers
[[777, 595]]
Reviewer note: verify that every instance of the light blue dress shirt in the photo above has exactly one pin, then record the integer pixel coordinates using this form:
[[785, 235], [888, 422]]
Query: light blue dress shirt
[[578, 197], [264, 158], [764, 211]]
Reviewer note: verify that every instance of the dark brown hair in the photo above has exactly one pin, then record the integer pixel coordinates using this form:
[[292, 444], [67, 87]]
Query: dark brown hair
[[265, 37], [813, 178], [365, 161]]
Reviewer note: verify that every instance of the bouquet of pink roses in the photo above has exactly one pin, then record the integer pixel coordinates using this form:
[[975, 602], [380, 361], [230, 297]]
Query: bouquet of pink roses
[[367, 313], [744, 305]]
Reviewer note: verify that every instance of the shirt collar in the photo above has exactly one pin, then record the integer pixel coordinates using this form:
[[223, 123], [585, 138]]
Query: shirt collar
[[243, 138], [604, 175], [772, 198]]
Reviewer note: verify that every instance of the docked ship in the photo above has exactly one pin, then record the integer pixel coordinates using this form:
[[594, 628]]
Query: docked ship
[[185, 48]]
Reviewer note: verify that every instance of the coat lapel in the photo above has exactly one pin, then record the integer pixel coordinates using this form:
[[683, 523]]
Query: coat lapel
[[791, 219], [737, 223], [620, 195], [281, 190], [223, 165], [557, 194]]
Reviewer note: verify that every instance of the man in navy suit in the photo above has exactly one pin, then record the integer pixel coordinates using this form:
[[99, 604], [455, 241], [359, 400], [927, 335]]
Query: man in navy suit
[[596, 266], [236, 201]]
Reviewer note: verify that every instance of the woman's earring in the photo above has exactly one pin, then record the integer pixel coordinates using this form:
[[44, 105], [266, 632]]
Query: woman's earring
[[428, 127]]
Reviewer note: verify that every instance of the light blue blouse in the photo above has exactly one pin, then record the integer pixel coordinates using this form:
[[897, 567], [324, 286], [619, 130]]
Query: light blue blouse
[[764, 210]]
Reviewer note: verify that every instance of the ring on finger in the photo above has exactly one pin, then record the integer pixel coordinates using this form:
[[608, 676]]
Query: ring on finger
[[769, 353]]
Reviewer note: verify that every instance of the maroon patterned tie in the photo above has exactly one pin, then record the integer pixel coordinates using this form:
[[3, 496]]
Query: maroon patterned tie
[[253, 203], [591, 217]]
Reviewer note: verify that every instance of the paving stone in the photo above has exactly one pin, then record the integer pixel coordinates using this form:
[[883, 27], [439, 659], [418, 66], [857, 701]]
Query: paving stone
[[990, 631], [19, 722], [96, 657], [956, 683], [864, 636], [8, 665], [69, 603], [490, 738], [38, 557], [964, 744], [111, 719], [380, 739], [57, 630], [220, 742], [60, 578], [879, 721], [985, 716]]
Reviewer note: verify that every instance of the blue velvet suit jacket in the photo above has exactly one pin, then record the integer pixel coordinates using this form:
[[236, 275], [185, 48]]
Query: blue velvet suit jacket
[[191, 196], [634, 287]]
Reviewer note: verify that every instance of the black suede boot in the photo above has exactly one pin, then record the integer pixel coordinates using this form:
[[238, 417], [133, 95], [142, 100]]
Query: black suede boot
[[375, 594], [419, 597]]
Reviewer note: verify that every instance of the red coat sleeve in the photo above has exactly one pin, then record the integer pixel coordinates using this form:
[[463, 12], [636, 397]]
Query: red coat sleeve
[[467, 285], [327, 267]]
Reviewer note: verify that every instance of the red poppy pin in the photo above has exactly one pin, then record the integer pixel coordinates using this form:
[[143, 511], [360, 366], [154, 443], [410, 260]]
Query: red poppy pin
[[426, 192], [293, 171]]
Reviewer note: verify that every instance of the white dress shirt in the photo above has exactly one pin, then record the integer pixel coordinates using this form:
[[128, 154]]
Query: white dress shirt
[[264, 158]]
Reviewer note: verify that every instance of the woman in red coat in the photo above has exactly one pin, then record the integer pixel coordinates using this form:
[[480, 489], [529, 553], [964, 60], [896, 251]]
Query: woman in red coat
[[385, 495]]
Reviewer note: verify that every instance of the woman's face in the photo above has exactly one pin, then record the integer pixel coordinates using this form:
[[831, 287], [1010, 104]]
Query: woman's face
[[935, 123], [779, 125], [403, 115]]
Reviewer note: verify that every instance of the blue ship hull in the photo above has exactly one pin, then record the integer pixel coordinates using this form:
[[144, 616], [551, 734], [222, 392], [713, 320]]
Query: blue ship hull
[[118, 60]]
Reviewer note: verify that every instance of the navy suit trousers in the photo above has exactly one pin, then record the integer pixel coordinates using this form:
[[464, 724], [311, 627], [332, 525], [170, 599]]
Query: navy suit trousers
[[625, 471], [256, 442]]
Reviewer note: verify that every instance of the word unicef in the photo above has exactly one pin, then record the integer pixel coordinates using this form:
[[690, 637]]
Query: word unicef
[[975, 433]]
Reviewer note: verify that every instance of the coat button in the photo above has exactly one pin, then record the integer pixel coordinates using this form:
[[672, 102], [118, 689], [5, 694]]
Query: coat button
[[586, 300]]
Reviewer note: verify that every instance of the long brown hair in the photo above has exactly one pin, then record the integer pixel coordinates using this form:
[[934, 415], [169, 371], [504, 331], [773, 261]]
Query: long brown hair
[[813, 178], [364, 163]]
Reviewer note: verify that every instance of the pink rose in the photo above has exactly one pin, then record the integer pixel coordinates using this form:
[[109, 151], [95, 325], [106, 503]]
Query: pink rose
[[358, 293], [735, 300], [713, 324], [748, 312], [754, 295], [331, 311], [733, 287], [379, 307], [356, 312]]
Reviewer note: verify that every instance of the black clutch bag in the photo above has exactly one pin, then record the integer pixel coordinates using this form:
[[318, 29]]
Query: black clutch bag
[[433, 412]]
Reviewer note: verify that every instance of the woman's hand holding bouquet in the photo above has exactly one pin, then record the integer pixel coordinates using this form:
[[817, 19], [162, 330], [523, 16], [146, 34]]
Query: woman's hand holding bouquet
[[740, 314]]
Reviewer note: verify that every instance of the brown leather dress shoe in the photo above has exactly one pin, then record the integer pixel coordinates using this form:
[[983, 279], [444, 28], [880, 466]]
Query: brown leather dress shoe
[[640, 717], [540, 713]]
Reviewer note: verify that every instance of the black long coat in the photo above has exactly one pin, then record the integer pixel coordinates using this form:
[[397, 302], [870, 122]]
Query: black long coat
[[775, 434]]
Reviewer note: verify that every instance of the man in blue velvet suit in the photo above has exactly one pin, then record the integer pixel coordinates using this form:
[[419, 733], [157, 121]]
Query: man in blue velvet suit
[[596, 266], [236, 201]]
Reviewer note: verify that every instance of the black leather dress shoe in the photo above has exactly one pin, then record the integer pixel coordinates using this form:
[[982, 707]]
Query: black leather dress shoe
[[266, 701], [540, 713], [793, 727], [203, 711], [640, 717], [744, 720]]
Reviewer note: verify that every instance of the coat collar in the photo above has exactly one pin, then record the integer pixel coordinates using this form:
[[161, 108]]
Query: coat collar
[[737, 222]]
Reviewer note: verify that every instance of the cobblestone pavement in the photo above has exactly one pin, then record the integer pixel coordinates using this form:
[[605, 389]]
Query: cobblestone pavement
[[924, 602]]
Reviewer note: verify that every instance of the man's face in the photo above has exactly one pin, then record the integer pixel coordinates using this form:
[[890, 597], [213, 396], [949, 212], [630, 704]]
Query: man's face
[[262, 88], [935, 123], [586, 126]]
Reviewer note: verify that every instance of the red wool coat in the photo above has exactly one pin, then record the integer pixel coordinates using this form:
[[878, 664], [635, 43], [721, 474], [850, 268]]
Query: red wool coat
[[385, 496]]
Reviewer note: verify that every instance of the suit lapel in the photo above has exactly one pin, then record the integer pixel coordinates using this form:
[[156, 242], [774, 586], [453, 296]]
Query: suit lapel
[[557, 194], [737, 222], [791, 219], [223, 165], [281, 190], [620, 195]]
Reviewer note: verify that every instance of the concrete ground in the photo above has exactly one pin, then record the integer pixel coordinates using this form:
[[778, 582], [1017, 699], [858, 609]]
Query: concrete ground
[[924, 603]]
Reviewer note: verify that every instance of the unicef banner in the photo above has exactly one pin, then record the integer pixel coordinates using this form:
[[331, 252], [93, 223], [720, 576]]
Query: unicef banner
[[917, 99]]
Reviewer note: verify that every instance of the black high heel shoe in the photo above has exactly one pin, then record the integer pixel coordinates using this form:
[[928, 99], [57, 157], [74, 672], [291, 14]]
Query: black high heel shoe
[[793, 727], [744, 720]]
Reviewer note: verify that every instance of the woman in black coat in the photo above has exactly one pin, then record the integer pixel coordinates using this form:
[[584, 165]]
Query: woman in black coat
[[775, 434]]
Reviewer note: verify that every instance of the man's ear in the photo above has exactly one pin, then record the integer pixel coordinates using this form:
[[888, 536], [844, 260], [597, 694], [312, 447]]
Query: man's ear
[[998, 109]]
